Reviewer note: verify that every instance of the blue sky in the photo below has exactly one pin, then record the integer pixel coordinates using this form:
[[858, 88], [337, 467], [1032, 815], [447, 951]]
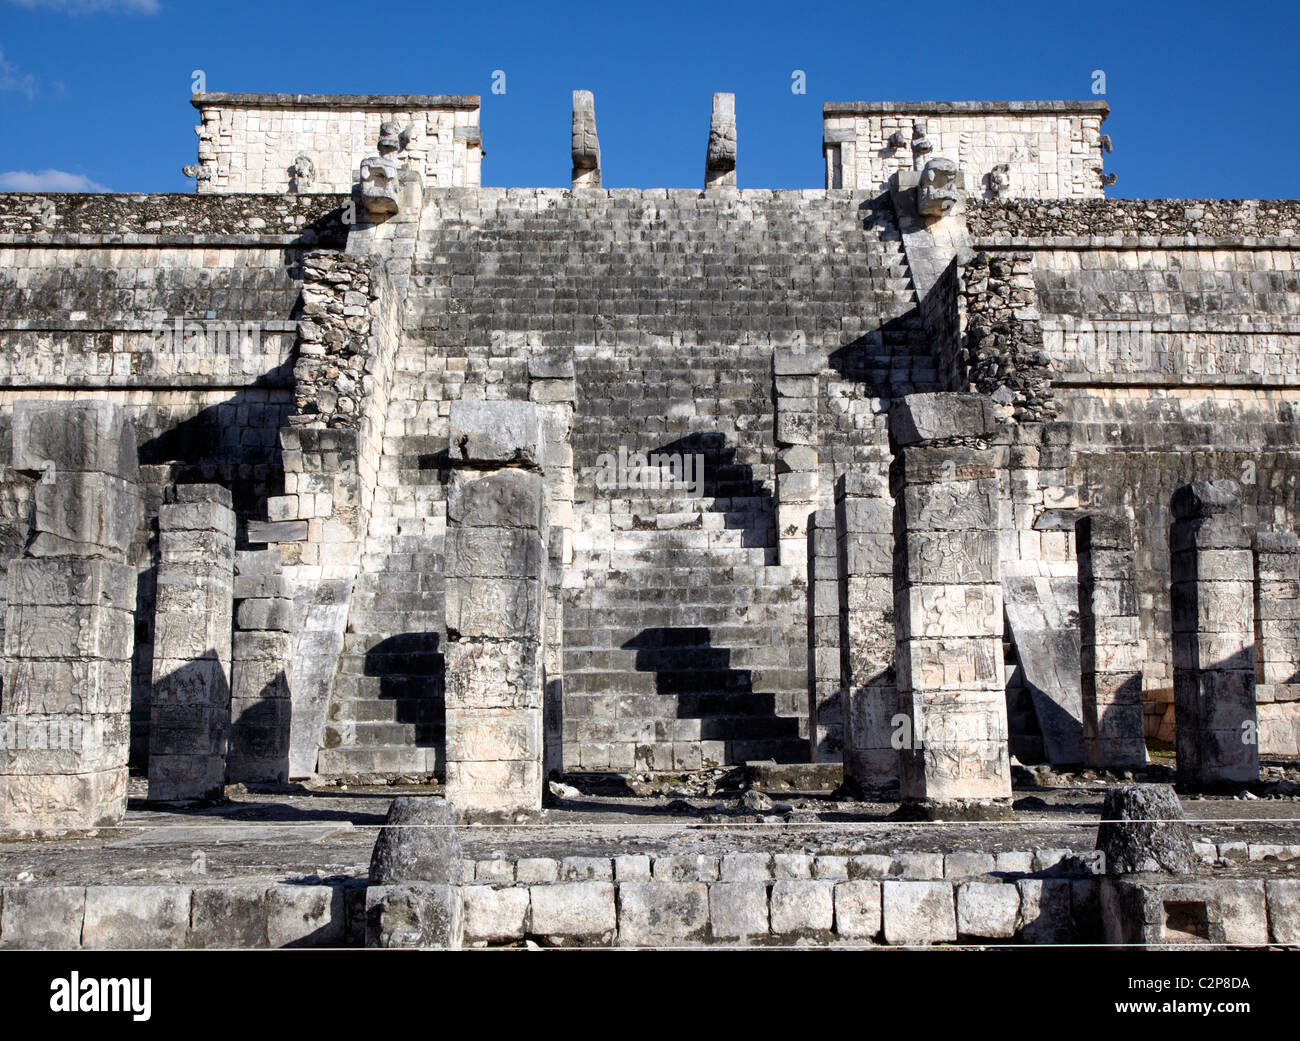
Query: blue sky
[[1203, 95]]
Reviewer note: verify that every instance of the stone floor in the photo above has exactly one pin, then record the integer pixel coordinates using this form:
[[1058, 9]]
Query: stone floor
[[295, 831]]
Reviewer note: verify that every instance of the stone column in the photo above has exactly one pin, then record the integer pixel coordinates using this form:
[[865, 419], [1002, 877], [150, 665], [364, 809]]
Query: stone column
[[797, 476], [948, 608], [262, 664], [1213, 613], [1110, 644], [496, 562], [865, 523], [826, 715], [1277, 641], [585, 144], [69, 624], [189, 715], [720, 159]]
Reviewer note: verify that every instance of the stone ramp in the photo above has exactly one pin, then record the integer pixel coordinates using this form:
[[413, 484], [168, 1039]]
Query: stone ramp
[[1043, 621]]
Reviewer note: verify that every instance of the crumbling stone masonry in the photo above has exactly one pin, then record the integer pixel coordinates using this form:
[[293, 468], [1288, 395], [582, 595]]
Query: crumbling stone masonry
[[1213, 635], [1110, 648], [495, 593], [190, 710], [948, 607], [68, 625]]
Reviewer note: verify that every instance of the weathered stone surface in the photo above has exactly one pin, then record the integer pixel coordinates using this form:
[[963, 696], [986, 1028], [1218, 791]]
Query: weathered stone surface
[[803, 909], [857, 910], [414, 914], [305, 916], [662, 913], [988, 910], [495, 914], [918, 912], [42, 918], [720, 158], [496, 432], [136, 917], [574, 913], [1283, 896], [1045, 910], [419, 842], [1143, 829], [738, 910], [228, 916], [920, 418], [586, 146]]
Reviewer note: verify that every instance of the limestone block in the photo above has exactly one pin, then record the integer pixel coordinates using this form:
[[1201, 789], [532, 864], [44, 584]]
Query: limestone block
[[500, 432], [738, 910], [918, 912], [42, 918], [414, 915], [918, 418], [662, 913], [136, 917], [493, 608], [1245, 911], [495, 553], [745, 867], [988, 910], [1045, 910], [504, 674], [803, 909], [72, 581], [305, 916], [508, 498], [858, 910], [84, 514], [495, 914], [87, 436], [1283, 910], [228, 915], [574, 913]]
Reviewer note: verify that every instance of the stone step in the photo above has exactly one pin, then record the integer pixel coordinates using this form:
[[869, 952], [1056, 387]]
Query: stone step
[[425, 711], [405, 759], [383, 735]]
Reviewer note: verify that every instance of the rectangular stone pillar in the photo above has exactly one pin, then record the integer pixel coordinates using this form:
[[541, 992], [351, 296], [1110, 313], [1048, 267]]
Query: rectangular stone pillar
[[496, 561], [261, 709], [1110, 644], [826, 688], [865, 528], [189, 715], [1277, 641], [1213, 614], [797, 379], [948, 608], [69, 623]]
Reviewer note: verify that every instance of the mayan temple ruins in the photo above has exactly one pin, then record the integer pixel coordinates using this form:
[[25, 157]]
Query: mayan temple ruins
[[391, 560]]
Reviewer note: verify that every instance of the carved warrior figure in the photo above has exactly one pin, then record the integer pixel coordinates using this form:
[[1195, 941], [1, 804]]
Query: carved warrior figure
[[937, 192], [1000, 180], [586, 146], [301, 174], [922, 146], [379, 187], [720, 160]]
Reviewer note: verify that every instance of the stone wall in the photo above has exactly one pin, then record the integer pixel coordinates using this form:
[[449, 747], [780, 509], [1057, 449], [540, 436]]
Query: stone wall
[[249, 142], [1053, 149]]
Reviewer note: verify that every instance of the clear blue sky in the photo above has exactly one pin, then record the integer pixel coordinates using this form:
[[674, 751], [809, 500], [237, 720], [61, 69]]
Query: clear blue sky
[[1203, 95]]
